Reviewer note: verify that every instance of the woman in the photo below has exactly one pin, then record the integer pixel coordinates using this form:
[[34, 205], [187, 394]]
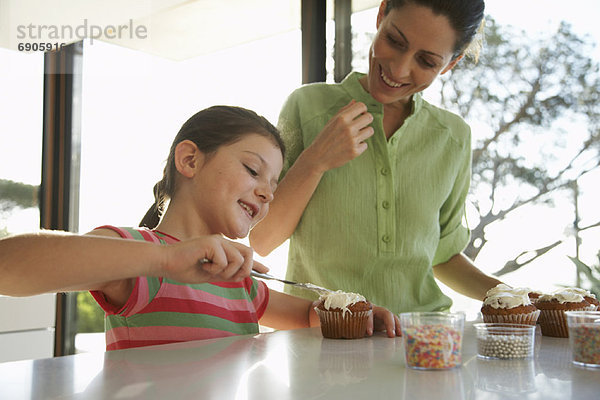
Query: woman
[[376, 178]]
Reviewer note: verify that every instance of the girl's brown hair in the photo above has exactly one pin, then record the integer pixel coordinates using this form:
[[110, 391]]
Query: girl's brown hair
[[209, 129]]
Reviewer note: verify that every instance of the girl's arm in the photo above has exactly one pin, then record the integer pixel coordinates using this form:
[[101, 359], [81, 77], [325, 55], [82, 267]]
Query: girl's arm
[[290, 312], [341, 140], [460, 274], [57, 261]]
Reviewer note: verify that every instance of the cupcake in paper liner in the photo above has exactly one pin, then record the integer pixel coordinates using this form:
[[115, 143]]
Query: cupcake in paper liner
[[503, 304], [587, 296], [343, 315], [528, 318], [553, 320]]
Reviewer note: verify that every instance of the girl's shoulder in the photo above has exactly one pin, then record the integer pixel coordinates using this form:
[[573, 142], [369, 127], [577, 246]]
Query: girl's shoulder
[[139, 233]]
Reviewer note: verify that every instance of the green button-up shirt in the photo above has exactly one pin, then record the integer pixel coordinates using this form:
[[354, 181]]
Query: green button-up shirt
[[377, 224]]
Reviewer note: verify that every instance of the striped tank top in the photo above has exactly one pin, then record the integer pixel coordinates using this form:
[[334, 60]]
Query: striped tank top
[[160, 310]]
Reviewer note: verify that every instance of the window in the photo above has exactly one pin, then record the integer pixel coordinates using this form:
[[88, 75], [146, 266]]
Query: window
[[21, 80]]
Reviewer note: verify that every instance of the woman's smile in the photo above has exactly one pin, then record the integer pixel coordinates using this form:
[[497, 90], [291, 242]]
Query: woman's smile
[[389, 82], [411, 48]]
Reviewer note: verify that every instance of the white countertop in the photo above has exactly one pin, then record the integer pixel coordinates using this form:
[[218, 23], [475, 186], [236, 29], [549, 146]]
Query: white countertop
[[297, 364]]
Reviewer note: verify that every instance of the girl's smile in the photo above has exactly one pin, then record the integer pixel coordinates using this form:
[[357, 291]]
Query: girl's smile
[[251, 210], [241, 178]]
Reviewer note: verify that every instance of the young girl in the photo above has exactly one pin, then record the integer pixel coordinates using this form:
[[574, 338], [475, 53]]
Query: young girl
[[219, 179]]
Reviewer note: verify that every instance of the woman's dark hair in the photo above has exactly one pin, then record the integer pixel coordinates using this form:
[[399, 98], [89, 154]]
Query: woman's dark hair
[[209, 129], [465, 16]]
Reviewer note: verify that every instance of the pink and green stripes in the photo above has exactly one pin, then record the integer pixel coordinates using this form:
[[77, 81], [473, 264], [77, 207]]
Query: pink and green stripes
[[162, 311]]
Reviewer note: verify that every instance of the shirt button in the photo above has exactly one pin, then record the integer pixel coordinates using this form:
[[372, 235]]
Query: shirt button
[[384, 171], [386, 238], [385, 204]]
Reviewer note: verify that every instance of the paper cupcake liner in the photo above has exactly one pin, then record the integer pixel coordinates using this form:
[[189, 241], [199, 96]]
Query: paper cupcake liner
[[335, 325], [525, 318], [554, 322]]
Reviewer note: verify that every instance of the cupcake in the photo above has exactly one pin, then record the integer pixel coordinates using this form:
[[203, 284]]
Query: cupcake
[[503, 304], [588, 296], [343, 315], [553, 320]]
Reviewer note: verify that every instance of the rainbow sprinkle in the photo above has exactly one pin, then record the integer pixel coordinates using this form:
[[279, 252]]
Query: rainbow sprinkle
[[585, 341], [432, 347]]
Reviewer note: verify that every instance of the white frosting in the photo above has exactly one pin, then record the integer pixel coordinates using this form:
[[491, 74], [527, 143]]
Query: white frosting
[[504, 296], [507, 300], [580, 291], [522, 290], [562, 296], [502, 288], [342, 300]]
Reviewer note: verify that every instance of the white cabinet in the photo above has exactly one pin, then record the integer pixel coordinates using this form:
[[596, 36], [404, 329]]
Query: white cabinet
[[27, 327]]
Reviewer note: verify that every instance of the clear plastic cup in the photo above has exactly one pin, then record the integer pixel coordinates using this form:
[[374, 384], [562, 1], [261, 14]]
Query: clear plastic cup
[[505, 341], [432, 340], [584, 337]]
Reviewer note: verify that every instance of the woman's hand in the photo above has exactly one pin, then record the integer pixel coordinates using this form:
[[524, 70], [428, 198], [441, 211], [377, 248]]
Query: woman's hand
[[227, 260], [382, 319], [342, 139]]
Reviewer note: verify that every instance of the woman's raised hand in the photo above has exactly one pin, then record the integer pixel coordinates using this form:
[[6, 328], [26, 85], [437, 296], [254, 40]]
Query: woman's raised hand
[[227, 260], [342, 139]]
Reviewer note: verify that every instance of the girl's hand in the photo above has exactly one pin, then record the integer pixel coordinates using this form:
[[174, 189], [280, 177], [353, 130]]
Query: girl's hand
[[228, 260], [382, 319], [342, 139]]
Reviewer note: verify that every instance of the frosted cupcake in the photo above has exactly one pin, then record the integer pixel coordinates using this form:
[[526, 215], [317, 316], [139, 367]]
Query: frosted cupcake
[[553, 320], [503, 304], [587, 296], [343, 315]]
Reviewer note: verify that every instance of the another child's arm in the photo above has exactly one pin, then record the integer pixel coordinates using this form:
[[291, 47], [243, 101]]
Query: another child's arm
[[290, 312], [57, 261]]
